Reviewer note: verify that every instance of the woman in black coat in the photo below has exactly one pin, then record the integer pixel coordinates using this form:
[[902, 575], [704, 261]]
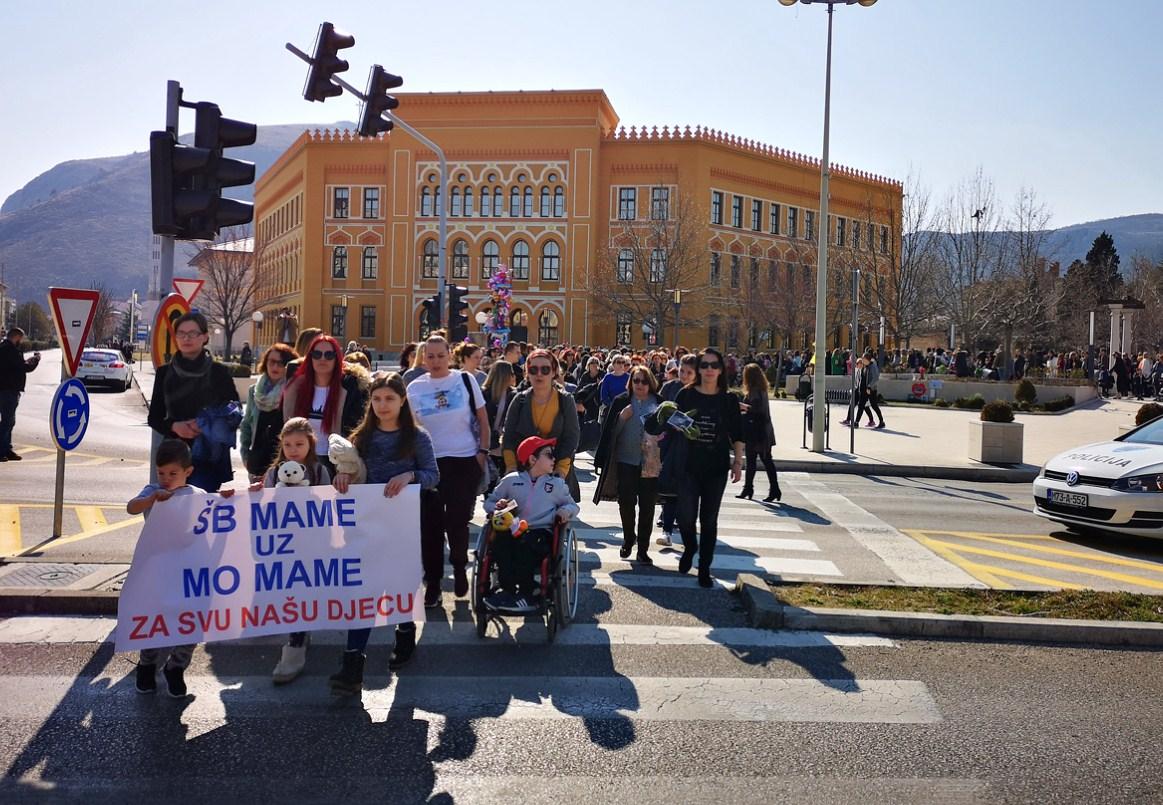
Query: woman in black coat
[[758, 433]]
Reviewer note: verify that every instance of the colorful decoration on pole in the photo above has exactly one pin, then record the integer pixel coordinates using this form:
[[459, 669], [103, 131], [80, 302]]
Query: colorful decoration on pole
[[172, 307], [497, 325]]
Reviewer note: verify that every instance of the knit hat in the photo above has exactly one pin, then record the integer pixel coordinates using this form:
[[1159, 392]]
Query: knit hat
[[529, 446]]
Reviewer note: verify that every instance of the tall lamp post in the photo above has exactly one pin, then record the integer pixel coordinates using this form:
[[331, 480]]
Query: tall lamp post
[[820, 374]]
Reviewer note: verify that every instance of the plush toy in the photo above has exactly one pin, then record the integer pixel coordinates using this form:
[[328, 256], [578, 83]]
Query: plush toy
[[292, 473], [346, 458], [505, 520]]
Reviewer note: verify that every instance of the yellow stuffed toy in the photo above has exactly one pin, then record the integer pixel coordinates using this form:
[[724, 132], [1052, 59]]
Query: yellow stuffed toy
[[505, 520]]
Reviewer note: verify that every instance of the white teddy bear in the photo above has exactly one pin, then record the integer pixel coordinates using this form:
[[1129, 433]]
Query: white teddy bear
[[292, 473], [346, 458]]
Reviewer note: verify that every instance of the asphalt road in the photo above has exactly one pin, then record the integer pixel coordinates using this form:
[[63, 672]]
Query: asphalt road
[[700, 713]]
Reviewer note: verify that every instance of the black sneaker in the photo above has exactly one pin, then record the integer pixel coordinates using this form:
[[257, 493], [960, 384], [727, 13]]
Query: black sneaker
[[146, 678], [404, 649], [432, 597], [13, 457], [175, 682], [460, 582], [349, 680]]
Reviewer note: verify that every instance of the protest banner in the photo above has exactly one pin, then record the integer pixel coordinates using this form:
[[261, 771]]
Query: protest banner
[[288, 559]]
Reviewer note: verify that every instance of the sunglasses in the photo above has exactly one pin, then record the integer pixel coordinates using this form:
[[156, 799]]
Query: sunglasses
[[540, 370], [709, 365], [641, 381], [189, 334], [320, 355]]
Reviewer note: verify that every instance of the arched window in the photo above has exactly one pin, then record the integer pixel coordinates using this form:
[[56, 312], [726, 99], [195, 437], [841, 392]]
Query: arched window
[[456, 208], [339, 263], [520, 260], [371, 262], [438, 200], [515, 202], [558, 202], [551, 261], [518, 318], [545, 208], [547, 328], [490, 256], [486, 203], [625, 266], [460, 260], [425, 201], [528, 202], [468, 202], [431, 260], [498, 202]]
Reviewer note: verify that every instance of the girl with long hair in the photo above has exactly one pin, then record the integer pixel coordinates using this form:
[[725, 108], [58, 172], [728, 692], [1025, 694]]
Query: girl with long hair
[[758, 432], [258, 435], [326, 394]]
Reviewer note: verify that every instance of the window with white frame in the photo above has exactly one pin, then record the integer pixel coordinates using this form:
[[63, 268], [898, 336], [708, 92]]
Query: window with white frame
[[456, 204], [716, 268], [622, 329], [515, 202], [756, 215], [339, 321], [558, 202], [793, 222], [528, 202], [716, 207], [546, 203], [737, 212], [468, 202], [339, 263], [774, 218], [425, 201], [340, 199], [460, 260], [431, 261], [551, 261], [659, 203], [367, 321], [625, 266], [371, 263], [498, 203], [627, 203], [809, 225], [371, 202], [548, 327], [735, 271], [490, 257], [657, 265], [856, 227], [486, 202], [520, 260], [841, 234]]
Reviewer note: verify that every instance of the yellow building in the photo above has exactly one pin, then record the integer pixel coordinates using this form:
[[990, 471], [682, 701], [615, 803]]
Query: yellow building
[[599, 226]]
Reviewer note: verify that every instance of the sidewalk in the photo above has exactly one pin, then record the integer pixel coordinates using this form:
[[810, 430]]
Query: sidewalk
[[919, 441], [930, 442]]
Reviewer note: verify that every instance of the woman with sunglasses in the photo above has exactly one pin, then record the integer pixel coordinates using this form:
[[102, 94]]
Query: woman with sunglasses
[[187, 386], [546, 410], [327, 394], [716, 452], [258, 437], [628, 460]]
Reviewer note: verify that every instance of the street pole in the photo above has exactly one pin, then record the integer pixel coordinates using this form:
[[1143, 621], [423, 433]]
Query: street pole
[[854, 410], [819, 378]]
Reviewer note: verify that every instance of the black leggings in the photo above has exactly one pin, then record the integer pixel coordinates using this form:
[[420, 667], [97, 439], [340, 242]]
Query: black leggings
[[754, 452], [636, 499], [699, 498], [868, 401]]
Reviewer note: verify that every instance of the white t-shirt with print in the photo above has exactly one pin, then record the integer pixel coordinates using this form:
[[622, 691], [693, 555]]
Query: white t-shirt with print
[[318, 403], [443, 408]]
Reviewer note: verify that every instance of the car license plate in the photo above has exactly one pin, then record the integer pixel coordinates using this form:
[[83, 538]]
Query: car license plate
[[1069, 498]]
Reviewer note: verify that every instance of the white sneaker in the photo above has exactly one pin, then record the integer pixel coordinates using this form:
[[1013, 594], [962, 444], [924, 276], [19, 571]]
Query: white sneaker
[[665, 540], [291, 664]]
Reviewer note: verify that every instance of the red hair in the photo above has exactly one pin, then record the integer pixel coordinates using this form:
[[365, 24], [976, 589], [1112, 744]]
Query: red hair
[[305, 379]]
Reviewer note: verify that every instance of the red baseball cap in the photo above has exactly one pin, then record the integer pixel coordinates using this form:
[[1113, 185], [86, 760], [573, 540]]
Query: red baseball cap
[[529, 446]]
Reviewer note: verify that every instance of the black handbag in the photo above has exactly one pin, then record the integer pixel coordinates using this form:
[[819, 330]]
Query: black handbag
[[590, 435], [674, 459]]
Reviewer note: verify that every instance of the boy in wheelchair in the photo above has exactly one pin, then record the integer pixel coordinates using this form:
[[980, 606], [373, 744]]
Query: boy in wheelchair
[[540, 498]]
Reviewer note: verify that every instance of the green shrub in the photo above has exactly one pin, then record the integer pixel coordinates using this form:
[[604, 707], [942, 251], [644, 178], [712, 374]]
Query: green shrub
[[1061, 404], [1025, 392], [997, 411], [1148, 412], [237, 369], [974, 403], [941, 403]]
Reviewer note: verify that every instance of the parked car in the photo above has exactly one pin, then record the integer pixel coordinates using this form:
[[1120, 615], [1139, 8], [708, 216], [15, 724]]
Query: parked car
[[105, 367], [1109, 486]]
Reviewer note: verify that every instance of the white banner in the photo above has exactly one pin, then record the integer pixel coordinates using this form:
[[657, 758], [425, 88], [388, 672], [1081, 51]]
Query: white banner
[[290, 559]]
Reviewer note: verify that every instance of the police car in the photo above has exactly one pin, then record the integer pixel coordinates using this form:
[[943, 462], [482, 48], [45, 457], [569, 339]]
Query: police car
[[1113, 486], [105, 367]]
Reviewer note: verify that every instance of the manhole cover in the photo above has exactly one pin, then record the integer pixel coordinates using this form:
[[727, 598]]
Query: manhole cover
[[43, 574]]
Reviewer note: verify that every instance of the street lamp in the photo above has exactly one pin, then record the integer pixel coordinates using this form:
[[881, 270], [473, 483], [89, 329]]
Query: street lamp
[[677, 300], [819, 386]]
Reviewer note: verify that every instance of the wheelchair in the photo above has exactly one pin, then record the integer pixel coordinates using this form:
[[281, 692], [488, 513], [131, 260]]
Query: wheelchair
[[557, 575]]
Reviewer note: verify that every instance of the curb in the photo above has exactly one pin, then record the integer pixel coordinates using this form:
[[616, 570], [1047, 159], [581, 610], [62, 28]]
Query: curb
[[765, 612], [986, 474], [48, 601]]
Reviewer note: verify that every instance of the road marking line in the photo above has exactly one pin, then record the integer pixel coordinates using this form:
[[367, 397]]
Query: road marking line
[[736, 563], [599, 537], [1109, 560], [981, 535], [1014, 574], [10, 539], [69, 505], [979, 571], [534, 697], [724, 525], [1030, 560], [69, 540], [90, 517]]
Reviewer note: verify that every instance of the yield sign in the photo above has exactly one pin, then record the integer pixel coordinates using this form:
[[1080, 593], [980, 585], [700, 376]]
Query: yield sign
[[188, 287], [72, 311]]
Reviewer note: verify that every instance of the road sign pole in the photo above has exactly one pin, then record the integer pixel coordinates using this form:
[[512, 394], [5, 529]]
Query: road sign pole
[[59, 493]]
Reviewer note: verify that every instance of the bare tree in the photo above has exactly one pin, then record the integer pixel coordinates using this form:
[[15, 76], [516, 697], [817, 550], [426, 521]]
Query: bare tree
[[968, 251], [227, 265], [648, 258], [104, 326], [1146, 285]]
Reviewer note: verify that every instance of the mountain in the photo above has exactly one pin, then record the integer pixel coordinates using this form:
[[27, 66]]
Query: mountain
[[88, 220], [1133, 234]]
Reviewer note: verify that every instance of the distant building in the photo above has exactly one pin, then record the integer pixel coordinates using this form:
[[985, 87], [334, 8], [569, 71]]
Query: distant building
[[549, 184]]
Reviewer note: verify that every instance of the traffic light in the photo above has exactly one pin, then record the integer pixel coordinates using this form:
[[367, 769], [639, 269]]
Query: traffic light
[[457, 313], [174, 197], [325, 63], [431, 315], [371, 120], [216, 133]]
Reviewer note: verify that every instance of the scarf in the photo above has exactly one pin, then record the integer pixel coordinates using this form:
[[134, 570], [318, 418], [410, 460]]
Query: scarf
[[268, 394], [187, 385]]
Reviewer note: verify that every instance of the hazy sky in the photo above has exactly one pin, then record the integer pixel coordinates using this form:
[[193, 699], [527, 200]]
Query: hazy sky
[[1059, 95]]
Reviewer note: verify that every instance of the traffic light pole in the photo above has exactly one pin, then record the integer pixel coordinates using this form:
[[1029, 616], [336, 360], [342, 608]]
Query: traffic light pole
[[442, 254]]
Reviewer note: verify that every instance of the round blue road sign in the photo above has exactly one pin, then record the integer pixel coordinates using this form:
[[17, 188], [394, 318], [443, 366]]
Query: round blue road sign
[[69, 414]]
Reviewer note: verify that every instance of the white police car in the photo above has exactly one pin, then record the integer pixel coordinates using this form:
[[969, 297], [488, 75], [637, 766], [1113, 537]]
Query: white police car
[[1112, 486], [105, 367]]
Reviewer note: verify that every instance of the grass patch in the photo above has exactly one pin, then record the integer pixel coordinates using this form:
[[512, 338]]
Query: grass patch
[[1078, 604]]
